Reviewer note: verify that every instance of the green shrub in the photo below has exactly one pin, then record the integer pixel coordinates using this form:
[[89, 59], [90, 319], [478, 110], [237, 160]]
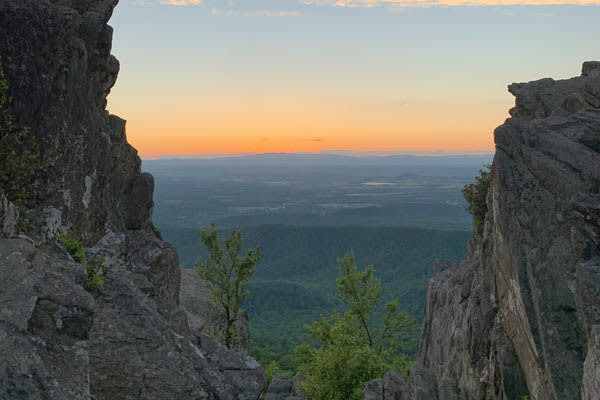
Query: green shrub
[[271, 370], [348, 349], [73, 247], [476, 195], [20, 161], [95, 280]]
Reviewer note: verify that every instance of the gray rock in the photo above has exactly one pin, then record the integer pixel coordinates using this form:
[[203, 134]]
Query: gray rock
[[57, 61], [139, 344], [374, 390], [284, 387], [139, 203], [9, 217], [518, 317], [394, 386], [590, 66], [132, 339], [591, 369], [45, 319]]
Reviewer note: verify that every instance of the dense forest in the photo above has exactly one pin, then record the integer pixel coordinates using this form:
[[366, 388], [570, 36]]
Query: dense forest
[[295, 283]]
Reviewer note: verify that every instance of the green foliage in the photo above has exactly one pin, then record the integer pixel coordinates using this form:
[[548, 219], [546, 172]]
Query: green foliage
[[476, 195], [95, 279], [20, 161], [359, 291], [73, 247], [343, 362], [270, 370], [347, 350], [284, 358], [296, 281], [228, 273], [95, 271]]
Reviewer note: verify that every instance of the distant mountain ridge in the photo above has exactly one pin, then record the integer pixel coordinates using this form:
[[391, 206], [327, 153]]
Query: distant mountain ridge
[[341, 158]]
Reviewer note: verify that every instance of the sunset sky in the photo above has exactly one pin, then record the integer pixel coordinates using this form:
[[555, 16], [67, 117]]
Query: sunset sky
[[255, 76]]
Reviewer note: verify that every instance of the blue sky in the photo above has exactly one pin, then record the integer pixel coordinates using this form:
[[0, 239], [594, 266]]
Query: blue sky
[[243, 76]]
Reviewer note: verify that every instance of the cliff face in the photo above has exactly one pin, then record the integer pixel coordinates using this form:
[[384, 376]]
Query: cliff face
[[56, 56], [520, 316], [132, 340]]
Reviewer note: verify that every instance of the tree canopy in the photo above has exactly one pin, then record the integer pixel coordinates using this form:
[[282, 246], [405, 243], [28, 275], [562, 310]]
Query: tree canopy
[[476, 196], [228, 273], [349, 349]]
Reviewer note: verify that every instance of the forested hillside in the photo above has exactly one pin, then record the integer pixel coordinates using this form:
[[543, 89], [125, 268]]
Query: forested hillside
[[295, 282]]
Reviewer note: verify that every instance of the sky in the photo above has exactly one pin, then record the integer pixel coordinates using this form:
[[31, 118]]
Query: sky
[[257, 76]]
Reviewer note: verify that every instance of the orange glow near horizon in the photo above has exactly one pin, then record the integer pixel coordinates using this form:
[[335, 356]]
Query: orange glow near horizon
[[272, 76], [281, 125]]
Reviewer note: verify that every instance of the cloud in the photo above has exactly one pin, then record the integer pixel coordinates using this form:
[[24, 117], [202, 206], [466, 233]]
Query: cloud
[[255, 13], [233, 8], [426, 3], [182, 2]]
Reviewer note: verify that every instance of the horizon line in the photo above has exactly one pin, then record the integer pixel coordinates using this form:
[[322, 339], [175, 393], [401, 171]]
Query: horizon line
[[347, 153]]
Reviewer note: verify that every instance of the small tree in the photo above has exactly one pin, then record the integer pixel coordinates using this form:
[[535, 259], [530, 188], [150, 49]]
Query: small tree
[[476, 196], [349, 351], [228, 273]]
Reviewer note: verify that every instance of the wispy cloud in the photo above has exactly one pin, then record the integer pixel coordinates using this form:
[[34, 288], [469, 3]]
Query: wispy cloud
[[181, 2], [233, 8], [426, 3], [293, 8], [255, 13]]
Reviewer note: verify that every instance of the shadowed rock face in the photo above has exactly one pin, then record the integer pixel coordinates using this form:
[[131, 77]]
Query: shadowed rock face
[[57, 341], [57, 60], [520, 316]]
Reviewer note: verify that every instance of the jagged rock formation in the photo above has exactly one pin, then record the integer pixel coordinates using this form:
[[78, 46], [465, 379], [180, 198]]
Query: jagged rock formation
[[132, 340], [521, 315]]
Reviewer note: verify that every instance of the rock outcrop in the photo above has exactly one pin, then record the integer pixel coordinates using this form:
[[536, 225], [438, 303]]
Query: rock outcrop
[[132, 340], [57, 60], [520, 316], [284, 387]]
